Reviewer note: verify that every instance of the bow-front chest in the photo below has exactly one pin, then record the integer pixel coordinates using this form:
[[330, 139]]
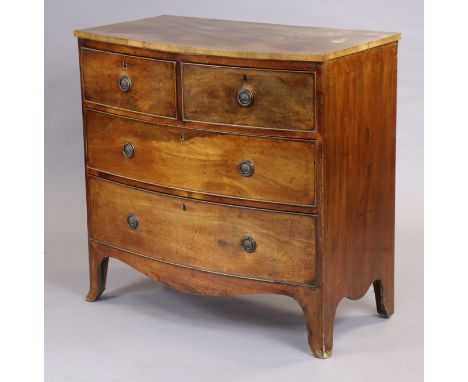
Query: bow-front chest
[[229, 157]]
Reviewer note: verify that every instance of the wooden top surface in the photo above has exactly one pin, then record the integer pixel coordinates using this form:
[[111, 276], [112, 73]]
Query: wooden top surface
[[238, 39]]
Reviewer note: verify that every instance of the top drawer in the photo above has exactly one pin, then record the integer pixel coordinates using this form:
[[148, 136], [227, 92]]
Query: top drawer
[[275, 99], [134, 83]]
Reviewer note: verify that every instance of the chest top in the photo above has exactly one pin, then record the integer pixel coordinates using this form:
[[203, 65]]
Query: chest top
[[227, 38]]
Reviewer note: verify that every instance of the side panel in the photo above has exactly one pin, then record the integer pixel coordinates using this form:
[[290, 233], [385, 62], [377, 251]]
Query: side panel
[[359, 173]]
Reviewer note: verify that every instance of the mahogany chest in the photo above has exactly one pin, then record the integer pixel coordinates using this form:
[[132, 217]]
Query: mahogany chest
[[227, 157]]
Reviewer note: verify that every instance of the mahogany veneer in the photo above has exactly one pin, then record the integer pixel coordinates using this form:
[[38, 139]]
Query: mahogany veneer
[[227, 157]]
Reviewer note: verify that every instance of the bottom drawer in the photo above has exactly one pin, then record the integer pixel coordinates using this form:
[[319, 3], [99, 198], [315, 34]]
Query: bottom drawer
[[240, 241]]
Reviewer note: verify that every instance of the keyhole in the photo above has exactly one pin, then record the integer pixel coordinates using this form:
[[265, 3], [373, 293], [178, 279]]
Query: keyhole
[[182, 137], [245, 77], [124, 65]]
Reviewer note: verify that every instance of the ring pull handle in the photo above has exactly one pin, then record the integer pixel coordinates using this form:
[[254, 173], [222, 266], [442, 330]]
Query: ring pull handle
[[246, 168], [125, 84], [132, 221], [248, 244], [245, 97], [128, 150]]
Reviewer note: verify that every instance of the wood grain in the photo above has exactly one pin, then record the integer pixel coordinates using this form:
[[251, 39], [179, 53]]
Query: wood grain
[[237, 38], [204, 235], [359, 179], [282, 99], [153, 86], [203, 161]]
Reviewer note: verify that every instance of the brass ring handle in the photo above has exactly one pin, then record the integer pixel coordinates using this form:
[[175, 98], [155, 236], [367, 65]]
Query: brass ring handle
[[246, 168], [124, 83], [132, 221], [248, 244], [245, 97], [128, 150]]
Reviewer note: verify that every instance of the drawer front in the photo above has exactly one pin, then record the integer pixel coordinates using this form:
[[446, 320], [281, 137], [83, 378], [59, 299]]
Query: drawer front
[[128, 82], [282, 170], [232, 240], [270, 98]]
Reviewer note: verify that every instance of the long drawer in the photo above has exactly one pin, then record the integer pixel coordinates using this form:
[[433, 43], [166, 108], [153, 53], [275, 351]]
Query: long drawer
[[128, 82], [255, 168], [240, 241]]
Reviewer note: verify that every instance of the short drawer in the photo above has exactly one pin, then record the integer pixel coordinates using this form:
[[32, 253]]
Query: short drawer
[[129, 82], [255, 168], [239, 241], [249, 97]]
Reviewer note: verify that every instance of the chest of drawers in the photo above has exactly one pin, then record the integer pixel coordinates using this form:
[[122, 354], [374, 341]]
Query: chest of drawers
[[227, 157]]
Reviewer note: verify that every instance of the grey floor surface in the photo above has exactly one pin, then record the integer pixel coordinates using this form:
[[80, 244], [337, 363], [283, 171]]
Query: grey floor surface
[[143, 331]]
